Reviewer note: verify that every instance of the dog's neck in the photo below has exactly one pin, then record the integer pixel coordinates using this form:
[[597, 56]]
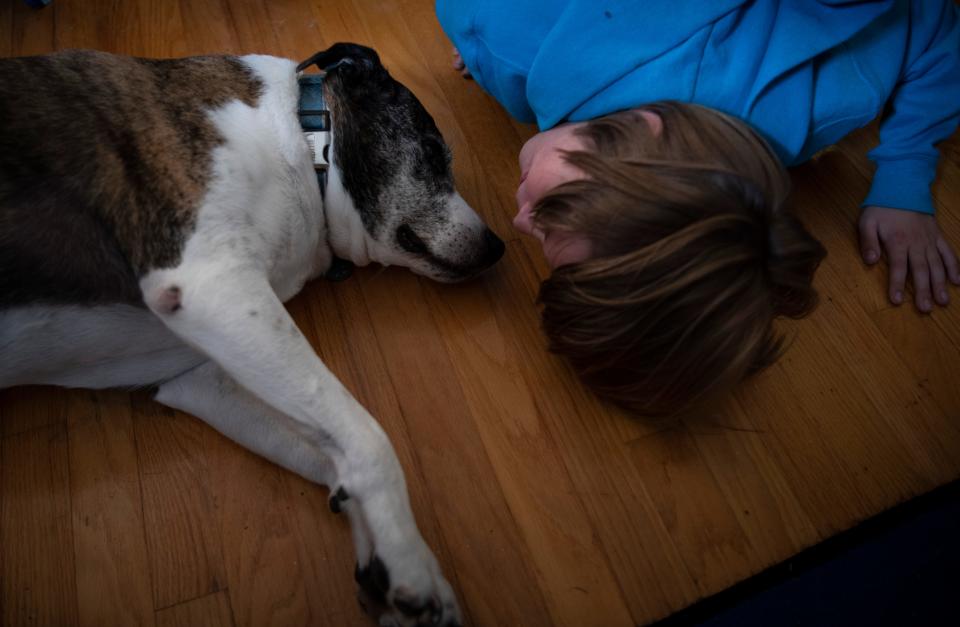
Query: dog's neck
[[346, 235]]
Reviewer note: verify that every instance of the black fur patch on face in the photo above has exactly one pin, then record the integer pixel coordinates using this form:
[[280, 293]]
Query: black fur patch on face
[[382, 133], [103, 162]]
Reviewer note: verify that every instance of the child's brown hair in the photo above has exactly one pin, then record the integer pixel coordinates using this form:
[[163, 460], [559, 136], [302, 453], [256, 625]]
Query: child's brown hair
[[694, 255]]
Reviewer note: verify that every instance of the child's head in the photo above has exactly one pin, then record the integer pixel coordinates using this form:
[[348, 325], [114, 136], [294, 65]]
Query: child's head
[[685, 253]]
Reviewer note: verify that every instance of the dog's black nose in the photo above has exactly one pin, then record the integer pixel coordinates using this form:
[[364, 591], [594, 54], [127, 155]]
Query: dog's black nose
[[493, 248]]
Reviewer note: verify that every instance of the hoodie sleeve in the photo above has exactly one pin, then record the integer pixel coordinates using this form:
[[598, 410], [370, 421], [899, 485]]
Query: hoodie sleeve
[[923, 110], [497, 40]]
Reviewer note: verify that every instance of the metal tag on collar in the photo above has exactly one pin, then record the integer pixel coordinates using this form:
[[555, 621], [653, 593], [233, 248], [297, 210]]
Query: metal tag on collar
[[315, 119], [315, 116], [319, 144]]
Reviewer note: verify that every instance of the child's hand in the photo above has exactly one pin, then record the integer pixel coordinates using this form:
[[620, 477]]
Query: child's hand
[[459, 65], [910, 239]]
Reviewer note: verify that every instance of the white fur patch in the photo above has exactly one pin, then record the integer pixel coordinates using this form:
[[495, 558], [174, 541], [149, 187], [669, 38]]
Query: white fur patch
[[89, 347]]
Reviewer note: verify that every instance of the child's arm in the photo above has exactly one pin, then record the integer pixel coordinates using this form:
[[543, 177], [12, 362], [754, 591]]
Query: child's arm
[[924, 110]]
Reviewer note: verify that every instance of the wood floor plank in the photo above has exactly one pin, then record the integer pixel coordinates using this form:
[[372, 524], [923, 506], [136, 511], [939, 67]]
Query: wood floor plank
[[39, 585], [147, 29], [297, 35], [208, 28], [212, 610], [182, 529], [753, 483], [910, 421], [251, 24], [33, 29], [911, 334], [946, 192], [895, 342], [112, 571], [569, 561], [839, 451], [31, 407], [162, 32], [643, 556], [419, 367], [6, 29], [816, 470], [88, 24], [700, 521], [261, 559], [325, 555]]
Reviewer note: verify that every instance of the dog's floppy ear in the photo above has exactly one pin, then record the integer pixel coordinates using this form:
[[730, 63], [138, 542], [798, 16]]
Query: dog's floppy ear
[[343, 54]]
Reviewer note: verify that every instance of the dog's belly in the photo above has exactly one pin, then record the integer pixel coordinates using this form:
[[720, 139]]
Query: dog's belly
[[92, 347]]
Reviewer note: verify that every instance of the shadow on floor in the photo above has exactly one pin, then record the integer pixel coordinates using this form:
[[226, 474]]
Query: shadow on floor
[[899, 568]]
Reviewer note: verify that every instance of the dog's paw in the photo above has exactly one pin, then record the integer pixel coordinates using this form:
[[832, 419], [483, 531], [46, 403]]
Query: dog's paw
[[337, 497], [339, 270], [407, 595]]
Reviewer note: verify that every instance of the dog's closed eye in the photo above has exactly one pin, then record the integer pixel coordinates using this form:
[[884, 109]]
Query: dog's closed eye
[[410, 241]]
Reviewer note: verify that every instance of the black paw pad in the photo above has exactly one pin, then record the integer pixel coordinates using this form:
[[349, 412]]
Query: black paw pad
[[374, 580], [411, 607], [339, 270], [336, 499]]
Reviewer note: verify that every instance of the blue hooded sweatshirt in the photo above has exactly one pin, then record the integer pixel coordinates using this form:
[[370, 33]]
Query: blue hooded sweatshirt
[[803, 73]]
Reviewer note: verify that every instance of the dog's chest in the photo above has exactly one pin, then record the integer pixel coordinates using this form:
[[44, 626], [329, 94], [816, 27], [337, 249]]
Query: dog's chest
[[263, 206]]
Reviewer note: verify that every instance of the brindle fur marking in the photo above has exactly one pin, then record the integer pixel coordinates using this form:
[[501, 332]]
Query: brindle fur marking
[[104, 161]]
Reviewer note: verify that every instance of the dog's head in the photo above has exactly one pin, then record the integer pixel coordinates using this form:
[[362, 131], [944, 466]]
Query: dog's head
[[390, 194]]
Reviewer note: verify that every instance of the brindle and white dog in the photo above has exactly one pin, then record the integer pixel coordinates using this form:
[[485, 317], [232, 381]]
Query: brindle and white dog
[[155, 215]]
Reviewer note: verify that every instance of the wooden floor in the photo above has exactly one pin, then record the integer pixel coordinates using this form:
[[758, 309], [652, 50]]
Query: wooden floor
[[544, 506]]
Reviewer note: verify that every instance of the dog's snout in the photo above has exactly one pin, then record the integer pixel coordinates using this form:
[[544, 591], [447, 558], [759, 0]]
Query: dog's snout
[[493, 248]]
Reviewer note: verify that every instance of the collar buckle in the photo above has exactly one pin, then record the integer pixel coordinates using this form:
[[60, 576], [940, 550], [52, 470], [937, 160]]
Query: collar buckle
[[319, 144], [314, 118]]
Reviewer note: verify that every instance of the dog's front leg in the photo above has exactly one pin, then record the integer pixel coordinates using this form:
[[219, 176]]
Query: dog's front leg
[[235, 318], [209, 393]]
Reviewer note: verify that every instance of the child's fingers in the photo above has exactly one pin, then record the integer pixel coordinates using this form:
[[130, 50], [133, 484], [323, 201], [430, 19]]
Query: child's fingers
[[459, 65], [938, 277], [897, 258], [920, 271], [949, 260], [869, 241]]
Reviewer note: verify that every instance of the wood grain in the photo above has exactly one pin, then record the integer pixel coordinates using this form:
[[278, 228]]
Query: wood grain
[[107, 512], [212, 610], [543, 505], [182, 530], [39, 580]]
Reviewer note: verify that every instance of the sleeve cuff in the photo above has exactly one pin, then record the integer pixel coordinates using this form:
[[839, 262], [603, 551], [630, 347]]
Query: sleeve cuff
[[903, 184]]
